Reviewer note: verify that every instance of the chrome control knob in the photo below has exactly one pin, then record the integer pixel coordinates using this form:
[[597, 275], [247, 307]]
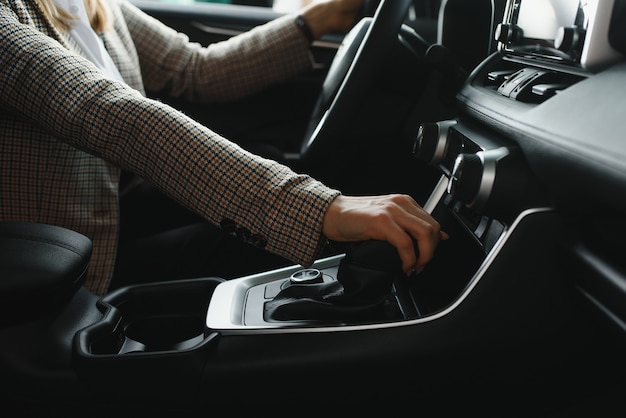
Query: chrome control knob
[[567, 38], [495, 182], [466, 177], [431, 142], [473, 177], [306, 276], [507, 33]]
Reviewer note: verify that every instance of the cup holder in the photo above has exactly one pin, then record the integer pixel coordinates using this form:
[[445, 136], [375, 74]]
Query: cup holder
[[150, 338], [163, 333]]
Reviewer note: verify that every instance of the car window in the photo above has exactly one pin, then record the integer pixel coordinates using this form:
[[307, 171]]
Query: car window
[[278, 5], [421, 8], [422, 15]]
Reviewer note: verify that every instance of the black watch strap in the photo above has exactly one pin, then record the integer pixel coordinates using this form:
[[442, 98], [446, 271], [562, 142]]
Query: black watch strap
[[305, 28]]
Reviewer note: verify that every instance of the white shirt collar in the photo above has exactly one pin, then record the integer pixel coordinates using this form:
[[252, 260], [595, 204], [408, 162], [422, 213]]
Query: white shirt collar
[[87, 39]]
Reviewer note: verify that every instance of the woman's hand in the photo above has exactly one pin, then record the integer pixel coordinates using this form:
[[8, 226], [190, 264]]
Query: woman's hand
[[397, 218], [331, 16]]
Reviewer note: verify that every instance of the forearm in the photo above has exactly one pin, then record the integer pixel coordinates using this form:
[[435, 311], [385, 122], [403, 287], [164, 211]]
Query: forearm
[[223, 71], [189, 162]]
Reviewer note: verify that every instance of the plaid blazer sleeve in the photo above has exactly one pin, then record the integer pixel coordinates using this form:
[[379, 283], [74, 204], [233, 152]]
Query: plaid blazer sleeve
[[223, 71], [69, 98]]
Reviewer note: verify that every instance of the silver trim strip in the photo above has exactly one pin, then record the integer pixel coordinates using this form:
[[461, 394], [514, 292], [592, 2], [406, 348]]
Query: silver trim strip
[[436, 195], [609, 313]]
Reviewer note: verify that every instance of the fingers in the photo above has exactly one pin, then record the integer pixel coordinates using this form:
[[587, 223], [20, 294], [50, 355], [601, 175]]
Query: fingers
[[418, 243], [331, 15], [417, 235], [398, 219]]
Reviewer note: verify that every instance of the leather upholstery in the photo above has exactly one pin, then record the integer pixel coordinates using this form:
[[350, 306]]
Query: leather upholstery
[[41, 267]]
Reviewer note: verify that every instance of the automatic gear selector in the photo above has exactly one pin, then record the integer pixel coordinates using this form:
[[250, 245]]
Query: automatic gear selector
[[363, 286]]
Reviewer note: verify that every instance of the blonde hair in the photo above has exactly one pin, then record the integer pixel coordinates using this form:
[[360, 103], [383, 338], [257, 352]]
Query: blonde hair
[[97, 13]]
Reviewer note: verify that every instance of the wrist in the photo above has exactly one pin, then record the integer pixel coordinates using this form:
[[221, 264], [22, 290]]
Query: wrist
[[305, 28], [317, 17]]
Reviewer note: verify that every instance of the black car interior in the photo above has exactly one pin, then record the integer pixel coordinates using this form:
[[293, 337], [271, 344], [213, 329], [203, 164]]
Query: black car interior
[[507, 131]]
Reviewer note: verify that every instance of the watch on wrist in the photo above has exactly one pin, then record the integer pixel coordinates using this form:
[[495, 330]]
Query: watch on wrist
[[305, 28]]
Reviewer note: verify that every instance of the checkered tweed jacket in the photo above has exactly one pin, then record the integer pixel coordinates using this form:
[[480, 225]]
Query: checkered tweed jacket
[[66, 131]]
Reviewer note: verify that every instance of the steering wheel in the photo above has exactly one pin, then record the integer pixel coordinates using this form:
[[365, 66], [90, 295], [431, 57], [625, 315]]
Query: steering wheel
[[354, 68]]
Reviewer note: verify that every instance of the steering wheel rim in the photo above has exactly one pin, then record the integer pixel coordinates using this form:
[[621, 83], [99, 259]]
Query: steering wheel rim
[[354, 68]]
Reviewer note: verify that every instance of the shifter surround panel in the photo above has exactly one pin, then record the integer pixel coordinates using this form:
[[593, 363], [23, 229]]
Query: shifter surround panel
[[241, 303], [259, 295], [238, 303]]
